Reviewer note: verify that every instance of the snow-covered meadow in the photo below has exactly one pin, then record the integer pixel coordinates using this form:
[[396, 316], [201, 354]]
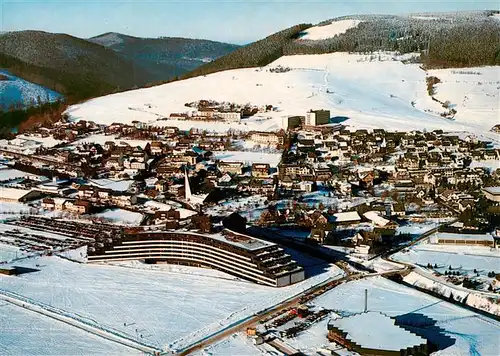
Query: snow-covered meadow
[[466, 259], [25, 333], [349, 85], [170, 309], [8, 253], [236, 344]]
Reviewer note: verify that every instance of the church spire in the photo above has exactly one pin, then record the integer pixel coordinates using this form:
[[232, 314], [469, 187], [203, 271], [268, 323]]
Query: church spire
[[187, 188]]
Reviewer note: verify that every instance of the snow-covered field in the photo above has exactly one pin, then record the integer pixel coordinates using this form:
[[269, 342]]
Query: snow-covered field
[[355, 86], [120, 216], [473, 334], [168, 309], [466, 259], [8, 174], [329, 31], [234, 345], [26, 333], [249, 157], [473, 92], [8, 253]]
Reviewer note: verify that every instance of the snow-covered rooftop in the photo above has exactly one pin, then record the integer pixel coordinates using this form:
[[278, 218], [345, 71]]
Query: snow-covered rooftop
[[375, 330], [117, 185], [492, 190], [239, 240], [157, 206], [376, 218], [345, 217], [450, 236], [121, 216], [12, 193]]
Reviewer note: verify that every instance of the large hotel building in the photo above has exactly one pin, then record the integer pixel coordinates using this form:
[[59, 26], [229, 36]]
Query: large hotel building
[[237, 254], [234, 253]]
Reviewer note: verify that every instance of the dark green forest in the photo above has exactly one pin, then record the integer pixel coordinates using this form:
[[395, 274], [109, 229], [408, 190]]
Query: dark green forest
[[256, 54]]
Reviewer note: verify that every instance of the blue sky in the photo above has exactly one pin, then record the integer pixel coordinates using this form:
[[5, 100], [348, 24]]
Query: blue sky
[[235, 21]]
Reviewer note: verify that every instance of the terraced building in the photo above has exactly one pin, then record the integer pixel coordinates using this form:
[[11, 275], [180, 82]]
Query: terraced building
[[238, 254]]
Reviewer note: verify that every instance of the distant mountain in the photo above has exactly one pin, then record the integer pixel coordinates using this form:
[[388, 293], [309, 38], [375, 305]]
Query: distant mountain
[[165, 54], [80, 69], [76, 68]]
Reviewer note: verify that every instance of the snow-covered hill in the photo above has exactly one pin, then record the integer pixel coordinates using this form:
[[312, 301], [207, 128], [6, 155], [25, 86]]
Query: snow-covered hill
[[371, 91], [328, 31], [16, 91]]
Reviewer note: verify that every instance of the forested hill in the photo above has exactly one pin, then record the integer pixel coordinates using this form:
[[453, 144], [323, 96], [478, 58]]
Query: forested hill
[[445, 40], [256, 54], [81, 69], [74, 67], [165, 55]]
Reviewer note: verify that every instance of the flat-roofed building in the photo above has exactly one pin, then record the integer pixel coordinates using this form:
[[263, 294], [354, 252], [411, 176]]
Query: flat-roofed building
[[229, 116], [492, 193], [345, 218], [267, 138], [444, 238], [18, 195]]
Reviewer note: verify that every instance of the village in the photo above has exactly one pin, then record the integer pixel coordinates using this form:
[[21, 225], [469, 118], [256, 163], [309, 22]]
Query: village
[[367, 198]]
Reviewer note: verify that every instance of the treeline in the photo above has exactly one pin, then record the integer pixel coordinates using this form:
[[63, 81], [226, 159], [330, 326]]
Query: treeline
[[465, 46], [445, 40], [256, 54], [16, 115], [74, 86], [452, 41]]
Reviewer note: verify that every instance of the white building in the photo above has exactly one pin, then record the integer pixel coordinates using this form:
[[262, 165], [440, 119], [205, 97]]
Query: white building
[[317, 117], [229, 116]]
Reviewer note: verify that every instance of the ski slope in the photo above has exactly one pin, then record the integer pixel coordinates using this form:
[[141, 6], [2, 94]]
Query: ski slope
[[328, 31], [365, 91]]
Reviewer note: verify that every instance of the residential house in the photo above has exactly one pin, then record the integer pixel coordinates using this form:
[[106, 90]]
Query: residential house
[[260, 170], [232, 167]]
